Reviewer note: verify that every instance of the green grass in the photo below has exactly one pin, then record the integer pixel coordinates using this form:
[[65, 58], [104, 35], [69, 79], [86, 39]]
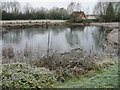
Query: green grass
[[104, 78]]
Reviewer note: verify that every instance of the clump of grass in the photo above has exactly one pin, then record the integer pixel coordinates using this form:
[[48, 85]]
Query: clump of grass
[[24, 76]]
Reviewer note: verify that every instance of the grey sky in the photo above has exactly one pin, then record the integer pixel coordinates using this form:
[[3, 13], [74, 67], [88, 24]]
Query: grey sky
[[62, 4], [50, 5]]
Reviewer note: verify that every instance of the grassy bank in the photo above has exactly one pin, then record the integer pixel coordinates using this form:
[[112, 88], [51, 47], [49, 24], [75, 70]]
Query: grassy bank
[[74, 63], [65, 66], [104, 78], [24, 76]]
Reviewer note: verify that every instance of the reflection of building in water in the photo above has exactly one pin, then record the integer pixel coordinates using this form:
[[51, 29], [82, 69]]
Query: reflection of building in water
[[58, 29], [80, 28]]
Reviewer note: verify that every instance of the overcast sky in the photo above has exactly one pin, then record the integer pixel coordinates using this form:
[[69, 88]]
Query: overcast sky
[[85, 4]]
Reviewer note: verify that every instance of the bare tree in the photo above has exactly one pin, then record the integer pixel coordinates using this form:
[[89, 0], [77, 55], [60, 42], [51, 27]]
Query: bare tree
[[87, 10], [4, 6], [16, 7], [78, 6], [11, 7], [8, 6], [28, 8], [100, 8], [71, 7], [116, 6]]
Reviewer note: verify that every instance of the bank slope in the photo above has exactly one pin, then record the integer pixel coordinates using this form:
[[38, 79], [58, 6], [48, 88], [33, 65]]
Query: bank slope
[[105, 78]]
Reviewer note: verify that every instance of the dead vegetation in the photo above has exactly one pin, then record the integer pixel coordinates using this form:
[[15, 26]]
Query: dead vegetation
[[74, 63]]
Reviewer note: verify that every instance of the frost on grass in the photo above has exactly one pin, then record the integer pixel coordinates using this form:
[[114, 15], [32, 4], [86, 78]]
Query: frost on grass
[[24, 76]]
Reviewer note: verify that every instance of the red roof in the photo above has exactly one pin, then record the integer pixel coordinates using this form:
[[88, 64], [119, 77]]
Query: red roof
[[80, 14]]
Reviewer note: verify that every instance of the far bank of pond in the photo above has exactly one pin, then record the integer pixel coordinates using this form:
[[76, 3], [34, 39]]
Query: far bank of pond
[[17, 24]]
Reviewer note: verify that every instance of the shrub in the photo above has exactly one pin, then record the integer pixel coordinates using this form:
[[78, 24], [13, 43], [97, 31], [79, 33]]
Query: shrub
[[24, 76], [74, 63]]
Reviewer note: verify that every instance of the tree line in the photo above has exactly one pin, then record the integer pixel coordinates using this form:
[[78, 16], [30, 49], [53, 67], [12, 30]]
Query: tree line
[[108, 11], [12, 11]]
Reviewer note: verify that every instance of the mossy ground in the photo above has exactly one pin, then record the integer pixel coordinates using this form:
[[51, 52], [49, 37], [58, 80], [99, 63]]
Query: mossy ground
[[104, 78]]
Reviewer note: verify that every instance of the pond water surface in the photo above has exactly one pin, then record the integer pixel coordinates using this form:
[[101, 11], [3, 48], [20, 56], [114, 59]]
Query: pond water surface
[[89, 38]]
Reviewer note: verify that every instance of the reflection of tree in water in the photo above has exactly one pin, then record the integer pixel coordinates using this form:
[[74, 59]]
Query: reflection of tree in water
[[89, 37], [72, 36], [99, 37], [33, 31], [0, 35], [12, 37], [16, 36]]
